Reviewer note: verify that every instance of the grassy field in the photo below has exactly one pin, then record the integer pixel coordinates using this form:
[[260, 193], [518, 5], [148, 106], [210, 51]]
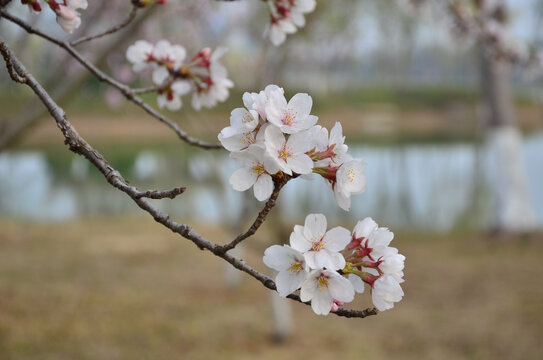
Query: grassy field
[[128, 289]]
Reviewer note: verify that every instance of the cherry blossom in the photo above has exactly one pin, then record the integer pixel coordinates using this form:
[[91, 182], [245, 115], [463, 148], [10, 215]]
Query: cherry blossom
[[385, 292], [322, 287], [349, 180], [373, 239], [67, 16], [290, 154], [320, 247], [170, 98], [291, 117], [291, 267], [255, 171], [329, 151], [140, 54], [258, 101], [371, 260], [204, 74], [213, 88], [286, 16]]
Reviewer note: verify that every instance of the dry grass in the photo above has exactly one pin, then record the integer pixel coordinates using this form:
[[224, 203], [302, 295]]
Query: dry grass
[[127, 289]]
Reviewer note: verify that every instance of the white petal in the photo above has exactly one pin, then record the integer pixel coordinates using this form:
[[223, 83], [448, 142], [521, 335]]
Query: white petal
[[364, 228], [181, 87], [332, 260], [309, 287], [357, 282], [298, 240], [299, 142], [242, 179], [380, 237], [300, 104], [275, 107], [241, 118], [336, 239], [263, 187], [300, 164], [274, 138], [343, 201], [341, 289], [322, 303], [288, 283], [277, 257], [315, 226]]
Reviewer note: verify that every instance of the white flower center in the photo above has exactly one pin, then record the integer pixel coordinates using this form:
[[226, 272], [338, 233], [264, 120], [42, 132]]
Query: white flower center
[[351, 175], [284, 153], [322, 283], [289, 118], [294, 268], [247, 118], [317, 244], [257, 169], [247, 138]]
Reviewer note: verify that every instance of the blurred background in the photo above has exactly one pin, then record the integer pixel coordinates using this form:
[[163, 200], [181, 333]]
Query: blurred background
[[85, 274]]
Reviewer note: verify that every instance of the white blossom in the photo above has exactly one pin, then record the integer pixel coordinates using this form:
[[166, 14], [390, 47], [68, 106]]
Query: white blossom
[[139, 54], [255, 171], [241, 121], [67, 16], [216, 85], [322, 287], [374, 238], [385, 292], [171, 97], [392, 264], [238, 141], [291, 267], [291, 117], [349, 180], [299, 8], [356, 281], [289, 154], [258, 101], [320, 247], [279, 29]]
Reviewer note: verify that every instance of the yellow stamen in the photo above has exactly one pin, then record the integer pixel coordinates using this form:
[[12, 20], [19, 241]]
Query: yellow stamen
[[322, 283], [284, 153], [317, 245], [351, 175], [257, 169], [294, 268], [246, 118]]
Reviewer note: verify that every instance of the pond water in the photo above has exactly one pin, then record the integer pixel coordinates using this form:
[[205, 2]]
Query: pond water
[[433, 187]]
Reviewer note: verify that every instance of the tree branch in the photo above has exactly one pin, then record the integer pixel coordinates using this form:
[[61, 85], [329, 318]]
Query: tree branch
[[131, 16], [79, 146], [278, 185], [124, 89]]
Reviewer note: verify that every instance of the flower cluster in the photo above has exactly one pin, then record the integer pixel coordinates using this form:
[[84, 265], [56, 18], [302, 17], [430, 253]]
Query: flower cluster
[[317, 261], [286, 16], [66, 10], [203, 74], [271, 137]]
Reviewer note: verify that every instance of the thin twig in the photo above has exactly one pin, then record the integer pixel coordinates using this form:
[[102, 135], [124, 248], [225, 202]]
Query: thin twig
[[148, 89], [278, 185], [124, 89], [131, 16], [80, 146]]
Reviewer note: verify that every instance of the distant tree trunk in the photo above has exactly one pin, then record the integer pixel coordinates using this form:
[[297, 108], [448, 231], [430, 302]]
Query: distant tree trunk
[[513, 209]]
